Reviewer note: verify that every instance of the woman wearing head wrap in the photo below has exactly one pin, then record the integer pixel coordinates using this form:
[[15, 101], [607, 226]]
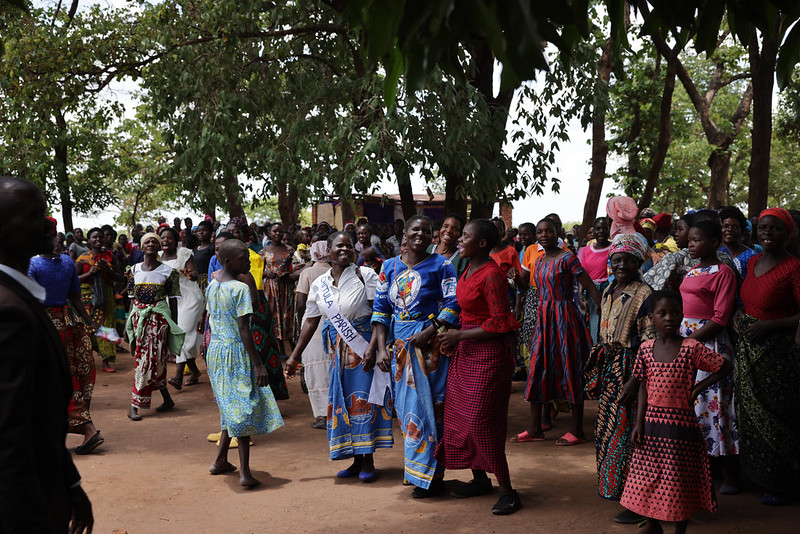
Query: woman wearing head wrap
[[622, 211], [768, 362], [664, 241], [151, 328], [624, 324]]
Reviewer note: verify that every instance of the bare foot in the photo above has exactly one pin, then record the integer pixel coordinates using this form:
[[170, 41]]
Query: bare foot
[[221, 469], [247, 481]]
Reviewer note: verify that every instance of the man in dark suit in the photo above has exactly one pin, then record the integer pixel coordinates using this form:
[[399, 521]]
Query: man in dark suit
[[40, 489]]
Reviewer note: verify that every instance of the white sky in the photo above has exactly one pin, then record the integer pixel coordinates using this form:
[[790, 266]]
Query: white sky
[[572, 163]]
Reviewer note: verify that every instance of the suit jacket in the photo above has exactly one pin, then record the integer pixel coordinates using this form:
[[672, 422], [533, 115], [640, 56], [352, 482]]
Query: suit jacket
[[36, 469]]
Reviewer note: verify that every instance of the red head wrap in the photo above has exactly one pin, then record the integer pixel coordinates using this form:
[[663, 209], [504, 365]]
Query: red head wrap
[[54, 221], [781, 214], [663, 221]]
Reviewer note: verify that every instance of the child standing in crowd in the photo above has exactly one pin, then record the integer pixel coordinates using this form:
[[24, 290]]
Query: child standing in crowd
[[238, 378], [669, 477], [302, 254]]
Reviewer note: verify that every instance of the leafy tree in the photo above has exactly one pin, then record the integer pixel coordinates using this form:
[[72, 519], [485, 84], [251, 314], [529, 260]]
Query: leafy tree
[[55, 128]]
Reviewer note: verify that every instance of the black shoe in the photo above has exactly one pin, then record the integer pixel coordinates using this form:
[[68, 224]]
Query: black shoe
[[507, 504], [627, 517], [473, 488], [436, 487], [320, 423], [94, 442]]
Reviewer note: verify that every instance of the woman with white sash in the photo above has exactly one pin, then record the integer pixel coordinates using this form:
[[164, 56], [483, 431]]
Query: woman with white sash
[[343, 297]]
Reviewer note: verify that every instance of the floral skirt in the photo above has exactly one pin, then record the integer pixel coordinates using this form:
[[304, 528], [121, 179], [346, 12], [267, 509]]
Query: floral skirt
[[78, 347], [715, 404]]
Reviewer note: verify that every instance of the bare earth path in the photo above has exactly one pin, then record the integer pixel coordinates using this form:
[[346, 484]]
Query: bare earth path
[[152, 477]]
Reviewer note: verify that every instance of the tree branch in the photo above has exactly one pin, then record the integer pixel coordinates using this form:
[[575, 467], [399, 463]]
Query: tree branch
[[743, 110]]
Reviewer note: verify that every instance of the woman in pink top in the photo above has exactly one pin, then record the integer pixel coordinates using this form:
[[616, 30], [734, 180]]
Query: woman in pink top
[[594, 259], [709, 299]]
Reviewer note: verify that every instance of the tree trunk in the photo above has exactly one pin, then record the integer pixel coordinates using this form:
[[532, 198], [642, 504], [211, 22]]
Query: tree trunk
[[455, 201], [599, 145], [288, 203], [484, 198], [402, 172], [664, 136], [62, 179], [762, 67], [233, 195], [720, 163], [482, 209]]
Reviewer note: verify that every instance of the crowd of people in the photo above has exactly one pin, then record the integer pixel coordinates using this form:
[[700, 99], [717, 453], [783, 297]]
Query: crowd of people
[[685, 332]]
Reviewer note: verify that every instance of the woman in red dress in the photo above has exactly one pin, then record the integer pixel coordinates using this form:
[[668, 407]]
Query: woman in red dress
[[479, 378]]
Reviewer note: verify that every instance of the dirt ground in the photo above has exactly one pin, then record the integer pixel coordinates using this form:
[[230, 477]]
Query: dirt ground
[[152, 477]]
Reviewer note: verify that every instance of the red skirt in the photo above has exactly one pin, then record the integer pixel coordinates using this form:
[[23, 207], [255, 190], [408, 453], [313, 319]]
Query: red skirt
[[669, 477], [476, 406]]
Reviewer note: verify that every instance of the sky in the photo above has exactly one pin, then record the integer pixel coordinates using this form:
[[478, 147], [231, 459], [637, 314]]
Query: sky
[[572, 164]]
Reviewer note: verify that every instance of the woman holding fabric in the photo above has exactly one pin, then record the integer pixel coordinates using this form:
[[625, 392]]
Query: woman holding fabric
[[624, 324], [356, 426], [411, 288], [97, 277], [151, 328], [479, 378], [768, 362]]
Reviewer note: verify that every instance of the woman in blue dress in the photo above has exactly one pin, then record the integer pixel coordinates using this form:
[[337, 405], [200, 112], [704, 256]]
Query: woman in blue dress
[[356, 426], [411, 288]]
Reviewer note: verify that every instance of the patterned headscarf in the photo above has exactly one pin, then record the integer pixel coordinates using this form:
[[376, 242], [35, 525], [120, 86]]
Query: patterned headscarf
[[623, 212], [648, 223], [781, 214], [241, 223], [633, 244], [319, 252]]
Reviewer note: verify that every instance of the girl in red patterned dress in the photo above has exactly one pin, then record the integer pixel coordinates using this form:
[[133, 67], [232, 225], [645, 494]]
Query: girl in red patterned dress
[[669, 478]]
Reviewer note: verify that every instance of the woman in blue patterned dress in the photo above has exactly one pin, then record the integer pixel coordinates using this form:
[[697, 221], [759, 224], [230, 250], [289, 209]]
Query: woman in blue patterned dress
[[561, 340], [238, 378], [411, 288], [356, 426]]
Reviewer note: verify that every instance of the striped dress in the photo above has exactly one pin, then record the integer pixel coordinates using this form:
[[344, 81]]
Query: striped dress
[[561, 340]]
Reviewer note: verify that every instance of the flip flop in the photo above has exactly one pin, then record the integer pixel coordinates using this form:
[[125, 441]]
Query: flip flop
[[545, 428], [108, 369], [568, 439], [192, 381], [525, 437]]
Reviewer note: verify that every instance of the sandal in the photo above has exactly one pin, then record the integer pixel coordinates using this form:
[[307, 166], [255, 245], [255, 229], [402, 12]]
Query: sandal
[[525, 437], [569, 439], [192, 380], [176, 383]]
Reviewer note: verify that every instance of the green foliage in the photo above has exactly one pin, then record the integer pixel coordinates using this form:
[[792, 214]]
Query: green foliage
[[634, 117], [50, 112], [418, 37]]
